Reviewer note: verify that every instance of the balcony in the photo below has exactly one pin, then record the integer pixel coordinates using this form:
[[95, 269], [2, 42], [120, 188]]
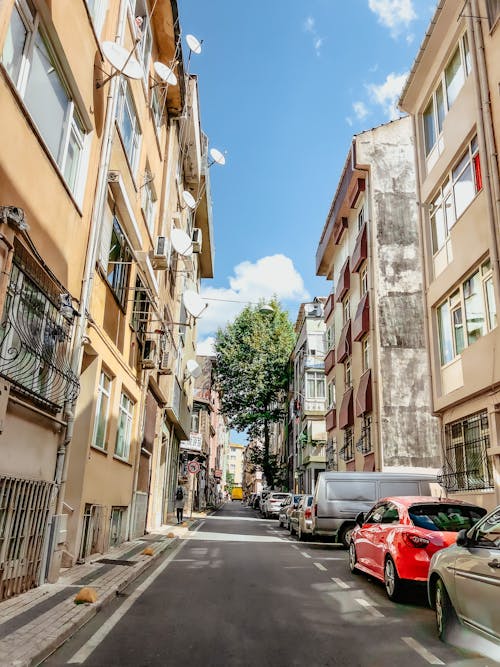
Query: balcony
[[314, 406], [314, 452], [178, 411], [329, 361]]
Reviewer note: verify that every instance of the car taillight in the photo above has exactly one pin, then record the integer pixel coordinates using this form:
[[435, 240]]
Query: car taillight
[[307, 513], [417, 541]]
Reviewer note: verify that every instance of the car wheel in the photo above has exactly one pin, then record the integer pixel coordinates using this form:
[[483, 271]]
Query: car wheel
[[353, 559], [345, 534], [445, 614], [301, 535], [292, 530], [280, 524], [393, 585]]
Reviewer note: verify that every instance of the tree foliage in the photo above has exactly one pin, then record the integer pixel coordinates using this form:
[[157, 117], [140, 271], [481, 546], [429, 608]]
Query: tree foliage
[[252, 372]]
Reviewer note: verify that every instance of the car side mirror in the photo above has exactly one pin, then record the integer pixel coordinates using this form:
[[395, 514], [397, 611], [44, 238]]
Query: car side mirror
[[360, 518], [462, 539]]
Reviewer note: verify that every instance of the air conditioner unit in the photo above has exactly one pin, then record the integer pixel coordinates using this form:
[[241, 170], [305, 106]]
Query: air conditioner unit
[[196, 239], [161, 254], [149, 354], [163, 366]]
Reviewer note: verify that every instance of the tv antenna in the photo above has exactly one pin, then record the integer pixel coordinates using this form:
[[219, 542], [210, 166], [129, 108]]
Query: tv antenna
[[122, 61]]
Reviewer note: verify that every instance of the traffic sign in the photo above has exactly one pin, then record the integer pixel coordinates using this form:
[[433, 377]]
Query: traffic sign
[[193, 467]]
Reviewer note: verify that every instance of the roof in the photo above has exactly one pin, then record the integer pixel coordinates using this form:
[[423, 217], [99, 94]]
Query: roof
[[427, 500]]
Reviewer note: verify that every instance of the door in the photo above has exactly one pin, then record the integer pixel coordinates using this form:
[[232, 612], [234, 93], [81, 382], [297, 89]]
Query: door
[[477, 577], [390, 518], [367, 537]]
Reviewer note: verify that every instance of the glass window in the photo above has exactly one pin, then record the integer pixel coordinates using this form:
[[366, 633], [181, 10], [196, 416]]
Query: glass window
[[445, 338], [30, 61], [493, 8], [429, 127], [375, 515], [365, 353], [347, 373], [488, 533], [331, 395], [149, 203], [361, 218], [463, 184], [315, 385], [119, 260], [97, 10], [474, 308], [156, 107], [346, 306], [454, 77], [445, 516], [128, 124], [363, 280], [195, 422], [124, 432], [102, 410]]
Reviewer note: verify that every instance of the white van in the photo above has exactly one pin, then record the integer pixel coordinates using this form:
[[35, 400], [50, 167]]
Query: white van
[[340, 496]]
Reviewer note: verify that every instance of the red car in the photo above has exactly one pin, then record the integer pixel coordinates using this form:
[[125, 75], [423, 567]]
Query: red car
[[396, 539]]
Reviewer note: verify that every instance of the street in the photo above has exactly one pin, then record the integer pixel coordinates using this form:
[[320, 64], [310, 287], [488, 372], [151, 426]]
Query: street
[[240, 591]]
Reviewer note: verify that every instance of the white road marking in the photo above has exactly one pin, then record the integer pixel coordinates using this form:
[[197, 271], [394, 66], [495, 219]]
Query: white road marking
[[329, 558], [340, 583], [294, 546], [422, 651], [231, 537], [306, 555], [83, 653], [369, 607], [320, 567]]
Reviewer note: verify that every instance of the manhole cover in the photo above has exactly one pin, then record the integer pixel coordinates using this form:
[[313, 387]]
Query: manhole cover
[[113, 561]]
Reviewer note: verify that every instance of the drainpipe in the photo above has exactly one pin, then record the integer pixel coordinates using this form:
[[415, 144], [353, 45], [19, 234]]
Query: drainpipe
[[486, 140], [87, 282]]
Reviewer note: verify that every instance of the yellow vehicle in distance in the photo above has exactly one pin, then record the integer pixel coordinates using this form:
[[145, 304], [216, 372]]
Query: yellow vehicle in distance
[[237, 493]]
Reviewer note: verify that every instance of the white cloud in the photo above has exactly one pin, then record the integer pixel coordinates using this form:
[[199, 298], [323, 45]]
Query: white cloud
[[252, 282], [348, 120], [387, 94], [360, 110], [205, 347], [394, 14], [310, 27]]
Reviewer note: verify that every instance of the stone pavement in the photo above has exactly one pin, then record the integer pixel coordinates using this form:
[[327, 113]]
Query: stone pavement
[[35, 623]]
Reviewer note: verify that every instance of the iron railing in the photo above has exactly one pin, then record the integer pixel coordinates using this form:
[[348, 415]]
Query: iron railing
[[364, 444], [346, 453]]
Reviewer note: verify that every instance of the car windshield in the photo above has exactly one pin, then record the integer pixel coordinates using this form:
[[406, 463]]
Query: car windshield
[[279, 496], [309, 501], [445, 516]]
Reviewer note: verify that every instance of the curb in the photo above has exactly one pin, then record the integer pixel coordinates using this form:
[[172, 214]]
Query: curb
[[82, 614]]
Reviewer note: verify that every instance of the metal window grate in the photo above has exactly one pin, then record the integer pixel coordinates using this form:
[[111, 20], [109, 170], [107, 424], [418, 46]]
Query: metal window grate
[[347, 451], [364, 444], [467, 466], [24, 514]]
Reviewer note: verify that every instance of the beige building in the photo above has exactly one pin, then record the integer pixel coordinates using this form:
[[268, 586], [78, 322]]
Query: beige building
[[378, 403], [235, 462], [452, 96], [94, 290]]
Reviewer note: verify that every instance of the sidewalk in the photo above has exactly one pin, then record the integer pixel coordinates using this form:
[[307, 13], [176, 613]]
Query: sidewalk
[[35, 623]]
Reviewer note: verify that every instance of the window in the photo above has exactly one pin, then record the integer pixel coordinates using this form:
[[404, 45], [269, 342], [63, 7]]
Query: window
[[346, 309], [493, 9], [142, 27], [119, 260], [488, 533], [124, 432], [97, 10], [467, 466], [467, 314], [332, 400], [365, 354], [363, 280], [455, 194], [445, 516], [149, 202], [330, 337], [140, 313], [102, 410], [347, 373], [315, 385], [195, 422], [156, 107], [34, 69], [450, 84], [347, 451], [361, 218], [128, 124], [364, 444]]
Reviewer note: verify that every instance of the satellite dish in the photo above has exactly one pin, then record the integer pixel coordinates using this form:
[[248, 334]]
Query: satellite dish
[[217, 156], [189, 200], [181, 242], [194, 44], [165, 73], [193, 368], [122, 60], [194, 303]]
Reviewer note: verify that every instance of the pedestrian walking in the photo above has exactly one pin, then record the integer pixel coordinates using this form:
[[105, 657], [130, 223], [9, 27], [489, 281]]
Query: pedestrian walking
[[180, 499]]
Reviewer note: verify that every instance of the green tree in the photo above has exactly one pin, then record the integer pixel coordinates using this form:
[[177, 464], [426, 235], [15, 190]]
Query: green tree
[[252, 374]]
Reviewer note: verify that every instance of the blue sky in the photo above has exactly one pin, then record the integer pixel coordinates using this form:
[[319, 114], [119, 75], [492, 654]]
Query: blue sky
[[283, 86]]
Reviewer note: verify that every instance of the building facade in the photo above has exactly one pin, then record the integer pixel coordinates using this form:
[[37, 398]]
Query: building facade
[[306, 438], [97, 262], [379, 408], [452, 96]]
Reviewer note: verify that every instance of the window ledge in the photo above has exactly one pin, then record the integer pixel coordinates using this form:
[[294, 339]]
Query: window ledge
[[102, 451], [122, 460]]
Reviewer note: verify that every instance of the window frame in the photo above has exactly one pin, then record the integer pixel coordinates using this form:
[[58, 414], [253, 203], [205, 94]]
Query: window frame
[[119, 282], [73, 125], [365, 353], [347, 373], [318, 380], [126, 105], [127, 413], [102, 391]]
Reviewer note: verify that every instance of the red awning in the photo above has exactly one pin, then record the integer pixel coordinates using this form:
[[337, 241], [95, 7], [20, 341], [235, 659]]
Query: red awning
[[364, 394], [369, 463], [345, 344], [346, 415], [344, 282], [361, 323], [331, 419], [360, 252]]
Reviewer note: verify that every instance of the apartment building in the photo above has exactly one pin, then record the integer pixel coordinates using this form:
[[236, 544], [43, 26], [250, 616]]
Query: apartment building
[[379, 413], [307, 431], [235, 462], [452, 96], [103, 164]]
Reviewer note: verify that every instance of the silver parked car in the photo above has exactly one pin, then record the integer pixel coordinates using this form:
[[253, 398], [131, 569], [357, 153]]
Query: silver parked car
[[301, 518], [272, 504], [464, 581], [287, 506]]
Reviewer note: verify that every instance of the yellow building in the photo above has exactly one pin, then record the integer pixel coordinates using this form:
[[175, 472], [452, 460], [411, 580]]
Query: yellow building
[[103, 157], [452, 96]]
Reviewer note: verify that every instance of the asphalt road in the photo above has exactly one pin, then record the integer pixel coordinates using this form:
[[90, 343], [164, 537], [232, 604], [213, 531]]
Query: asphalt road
[[239, 591]]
